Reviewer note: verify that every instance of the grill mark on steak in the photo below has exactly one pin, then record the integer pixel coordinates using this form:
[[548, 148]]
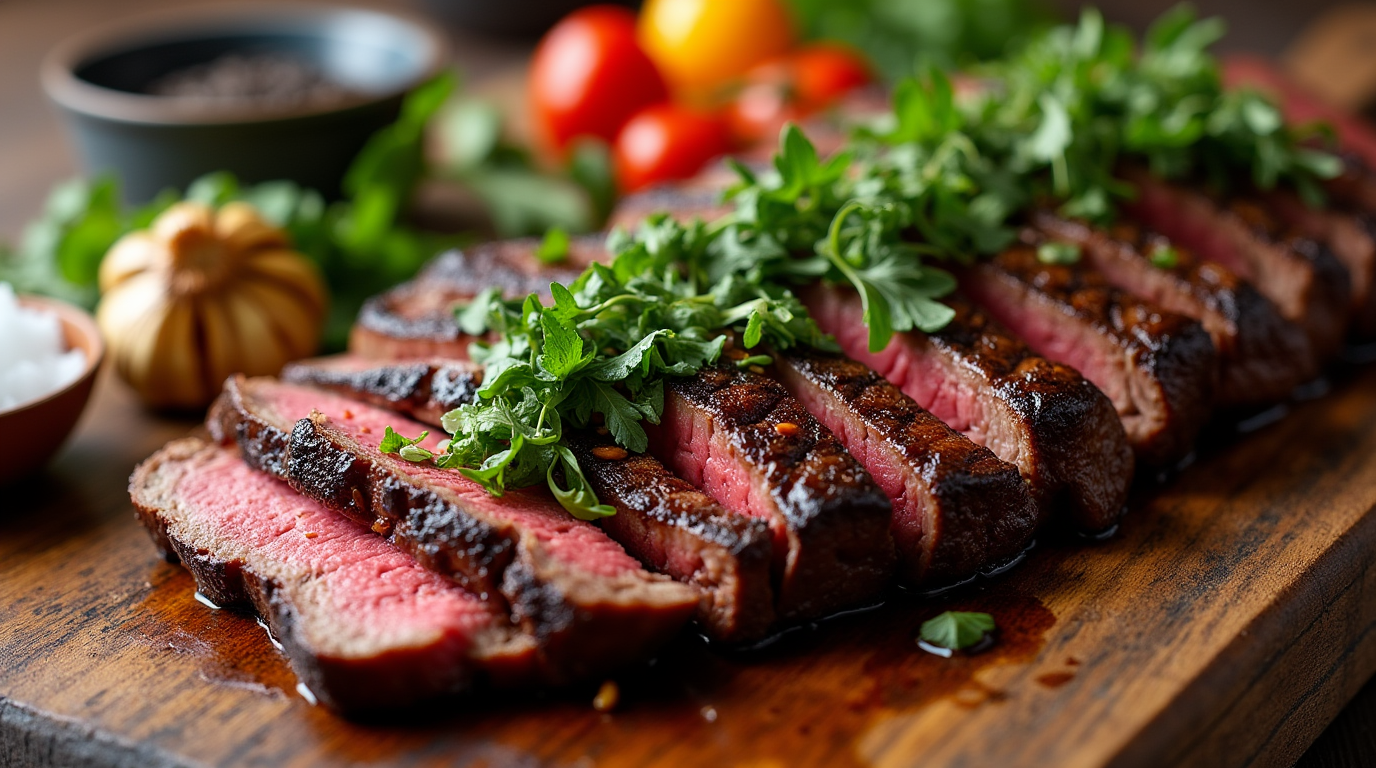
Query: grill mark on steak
[[830, 522], [1262, 357], [363, 625], [1043, 417], [1304, 279], [957, 508], [1158, 368], [661, 520], [678, 530], [416, 319], [422, 389], [589, 604]]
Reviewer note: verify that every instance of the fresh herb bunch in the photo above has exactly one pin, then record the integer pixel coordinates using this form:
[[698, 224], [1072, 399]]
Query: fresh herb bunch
[[1078, 101], [602, 352]]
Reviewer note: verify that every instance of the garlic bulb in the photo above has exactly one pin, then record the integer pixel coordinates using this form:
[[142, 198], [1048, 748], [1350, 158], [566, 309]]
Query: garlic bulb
[[203, 294]]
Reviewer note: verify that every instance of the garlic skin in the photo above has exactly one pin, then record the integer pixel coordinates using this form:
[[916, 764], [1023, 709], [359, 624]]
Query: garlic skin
[[203, 294]]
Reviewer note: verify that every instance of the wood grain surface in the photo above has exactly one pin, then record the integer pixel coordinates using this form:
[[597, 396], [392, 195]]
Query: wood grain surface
[[1226, 624]]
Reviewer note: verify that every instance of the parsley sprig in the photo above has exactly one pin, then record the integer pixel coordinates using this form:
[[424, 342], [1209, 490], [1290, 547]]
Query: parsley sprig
[[601, 352]]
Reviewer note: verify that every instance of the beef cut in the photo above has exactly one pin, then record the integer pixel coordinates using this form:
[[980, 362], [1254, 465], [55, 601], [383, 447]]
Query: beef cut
[[1262, 356], [957, 508], [1061, 432], [1350, 235], [1156, 366], [678, 530], [416, 319], [1303, 278], [590, 605], [663, 521], [423, 389], [744, 440], [364, 626]]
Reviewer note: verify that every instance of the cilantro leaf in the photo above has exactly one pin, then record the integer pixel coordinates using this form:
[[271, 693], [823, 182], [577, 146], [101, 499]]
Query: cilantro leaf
[[392, 442], [578, 497], [956, 630]]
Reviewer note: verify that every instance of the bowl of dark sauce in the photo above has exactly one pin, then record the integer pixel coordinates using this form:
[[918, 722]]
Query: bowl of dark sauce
[[264, 91]]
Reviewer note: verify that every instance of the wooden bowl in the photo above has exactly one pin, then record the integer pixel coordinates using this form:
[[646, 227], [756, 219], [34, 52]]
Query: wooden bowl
[[31, 433]]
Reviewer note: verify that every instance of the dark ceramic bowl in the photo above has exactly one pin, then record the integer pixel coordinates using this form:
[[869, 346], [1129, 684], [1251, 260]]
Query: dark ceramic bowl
[[101, 81], [46, 422]]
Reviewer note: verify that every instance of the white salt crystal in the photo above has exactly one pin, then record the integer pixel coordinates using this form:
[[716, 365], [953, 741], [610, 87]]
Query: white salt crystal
[[34, 360]]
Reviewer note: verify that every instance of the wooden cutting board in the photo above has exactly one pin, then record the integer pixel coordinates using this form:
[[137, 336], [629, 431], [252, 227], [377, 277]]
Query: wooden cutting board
[[1225, 625]]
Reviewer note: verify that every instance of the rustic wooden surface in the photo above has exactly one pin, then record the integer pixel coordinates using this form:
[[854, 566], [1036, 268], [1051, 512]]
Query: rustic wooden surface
[[1225, 626]]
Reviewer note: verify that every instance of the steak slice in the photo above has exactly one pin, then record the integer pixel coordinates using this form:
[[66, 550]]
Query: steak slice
[[423, 389], [678, 530], [1262, 356], [1303, 278], [416, 318], [1158, 368], [364, 626], [743, 439], [957, 508], [591, 605], [1043, 417], [661, 520]]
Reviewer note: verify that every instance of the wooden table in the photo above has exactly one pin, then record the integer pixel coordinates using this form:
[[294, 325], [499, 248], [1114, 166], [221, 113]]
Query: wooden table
[[84, 600]]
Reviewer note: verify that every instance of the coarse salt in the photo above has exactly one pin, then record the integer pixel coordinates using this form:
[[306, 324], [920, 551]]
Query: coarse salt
[[34, 360]]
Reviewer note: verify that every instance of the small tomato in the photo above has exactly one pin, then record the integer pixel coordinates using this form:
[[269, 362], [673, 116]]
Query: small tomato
[[702, 44], [824, 72], [589, 75], [666, 142]]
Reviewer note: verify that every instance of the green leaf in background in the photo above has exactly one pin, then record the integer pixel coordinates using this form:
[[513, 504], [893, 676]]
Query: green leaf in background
[[956, 630], [554, 248]]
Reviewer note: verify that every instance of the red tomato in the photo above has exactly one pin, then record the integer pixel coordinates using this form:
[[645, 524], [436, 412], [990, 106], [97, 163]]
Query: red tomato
[[824, 72], [792, 87], [589, 76], [666, 142]]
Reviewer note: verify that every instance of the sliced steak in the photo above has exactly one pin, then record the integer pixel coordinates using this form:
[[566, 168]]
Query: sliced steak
[[742, 438], [416, 318], [957, 508], [678, 530], [1262, 356], [1351, 236], [591, 605], [1043, 417], [423, 389], [663, 521], [364, 626], [1157, 367], [1304, 279]]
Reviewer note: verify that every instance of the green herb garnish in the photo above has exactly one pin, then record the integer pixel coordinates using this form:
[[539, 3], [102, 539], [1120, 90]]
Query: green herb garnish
[[406, 447], [1058, 253], [956, 630], [1164, 256], [554, 248]]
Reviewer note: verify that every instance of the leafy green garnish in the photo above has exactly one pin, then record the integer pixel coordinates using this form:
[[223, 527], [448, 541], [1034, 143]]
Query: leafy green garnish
[[554, 248], [956, 630], [1165, 256], [406, 447], [1058, 253]]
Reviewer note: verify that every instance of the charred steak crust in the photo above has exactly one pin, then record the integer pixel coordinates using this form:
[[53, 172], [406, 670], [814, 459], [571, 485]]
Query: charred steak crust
[[830, 522], [1307, 283], [323, 465], [424, 389], [1156, 366], [678, 530], [1262, 356], [391, 675], [416, 318], [958, 509], [661, 520], [1061, 432], [584, 622]]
